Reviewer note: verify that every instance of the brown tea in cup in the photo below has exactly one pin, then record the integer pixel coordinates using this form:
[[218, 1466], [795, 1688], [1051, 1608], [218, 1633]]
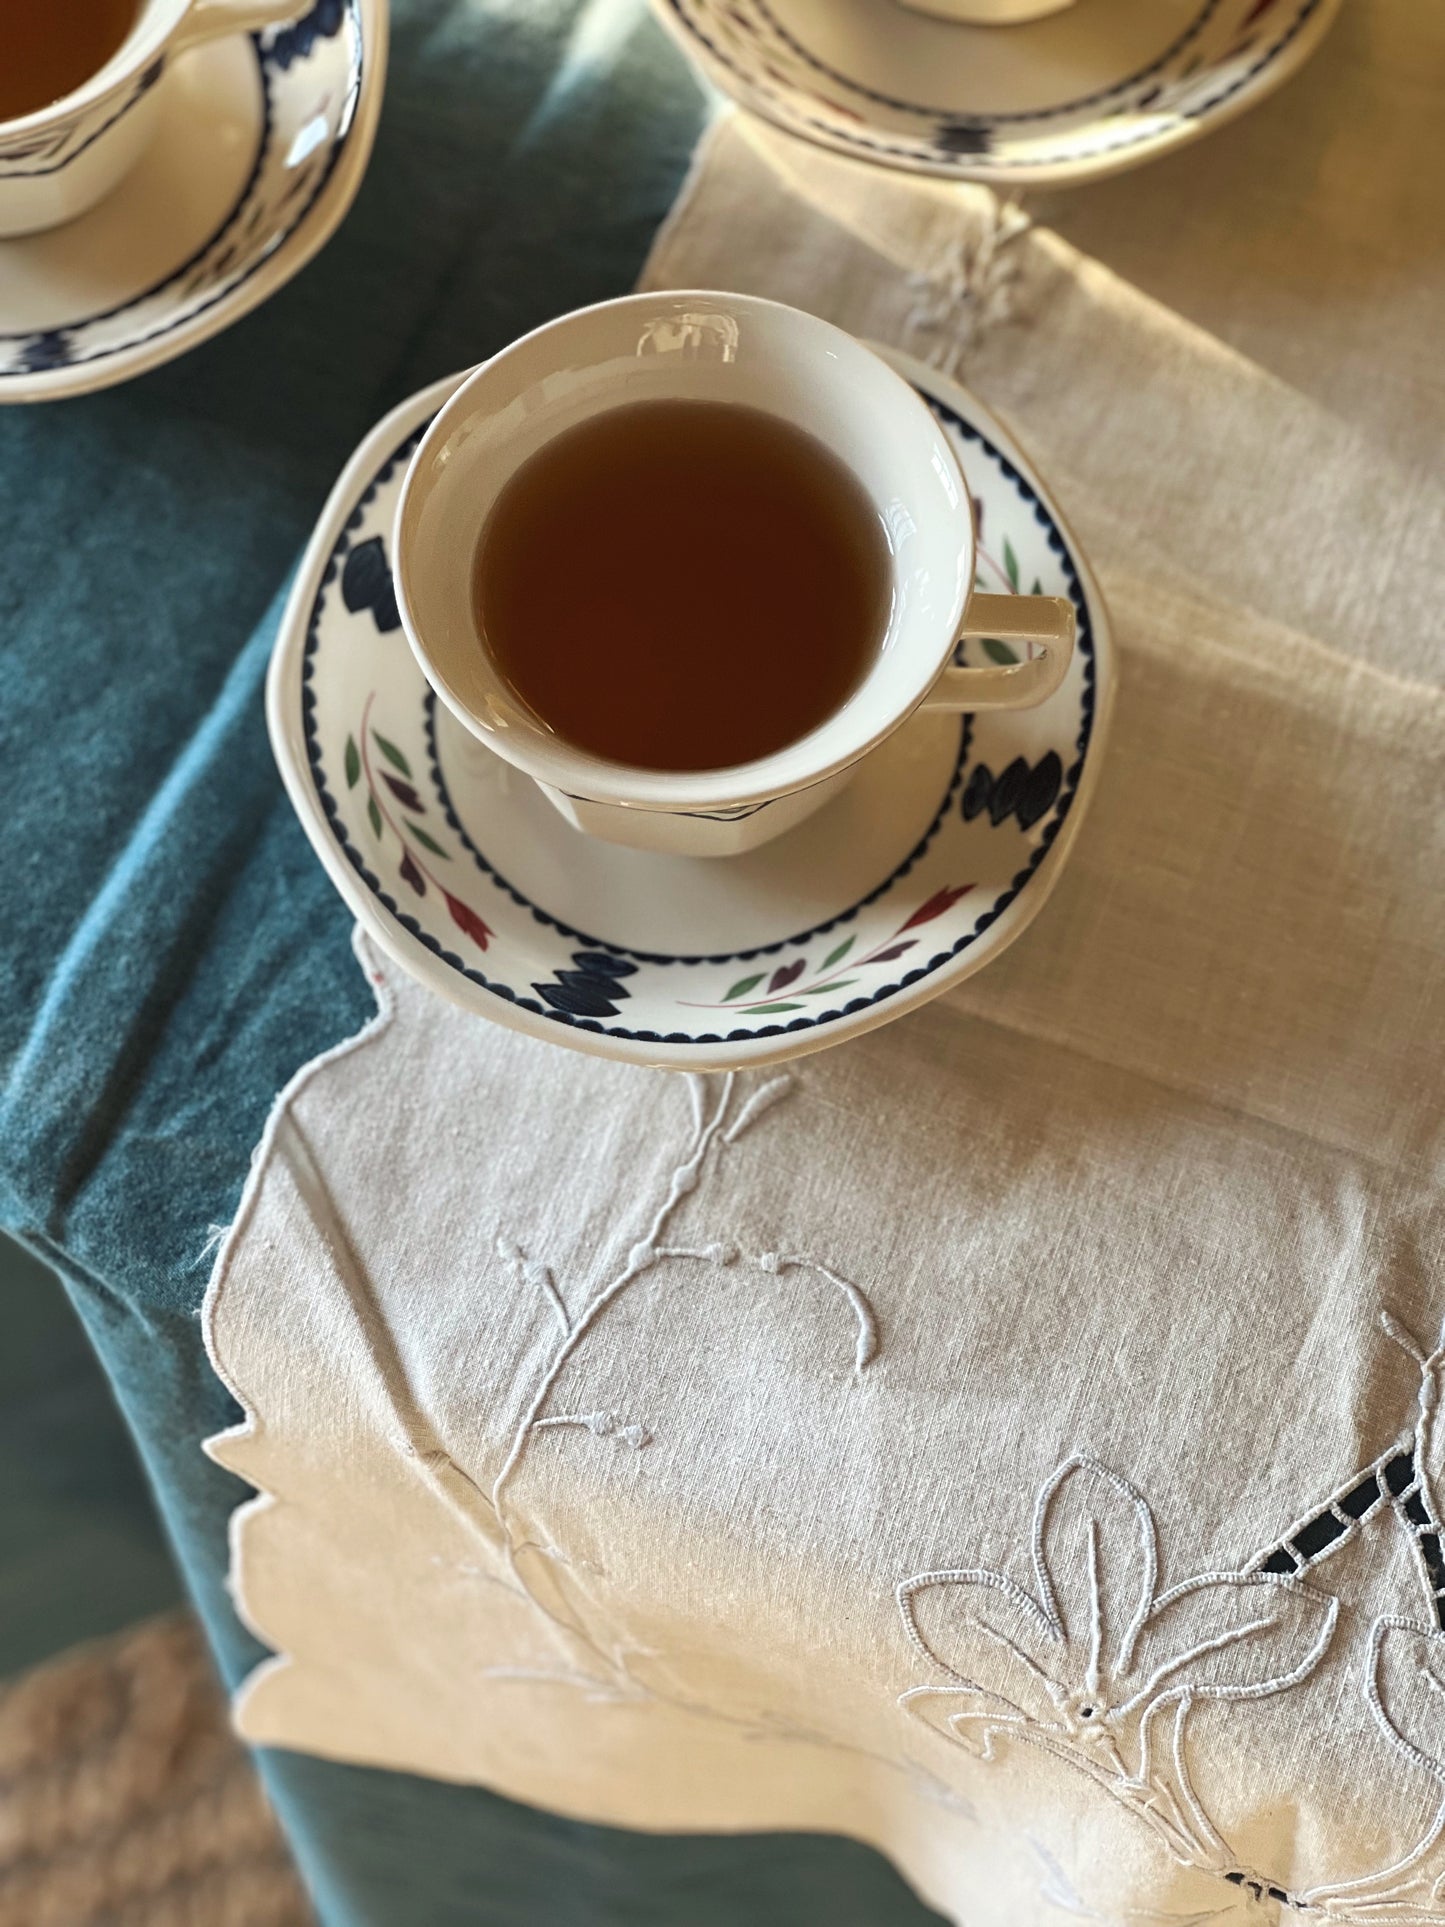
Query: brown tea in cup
[[683, 585]]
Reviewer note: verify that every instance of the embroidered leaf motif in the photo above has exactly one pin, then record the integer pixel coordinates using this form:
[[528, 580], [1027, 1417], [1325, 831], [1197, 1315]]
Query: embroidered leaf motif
[[373, 816], [428, 842], [403, 792], [1405, 1685], [467, 921], [984, 1631], [896, 950], [390, 751], [743, 986], [967, 1714], [838, 983], [353, 763], [837, 956], [940, 901], [411, 874], [1011, 564], [997, 651], [770, 1010], [1097, 1562], [1231, 1636], [787, 974]]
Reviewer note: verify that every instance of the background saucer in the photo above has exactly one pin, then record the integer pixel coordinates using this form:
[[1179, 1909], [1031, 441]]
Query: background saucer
[[263, 142], [1090, 91], [925, 868]]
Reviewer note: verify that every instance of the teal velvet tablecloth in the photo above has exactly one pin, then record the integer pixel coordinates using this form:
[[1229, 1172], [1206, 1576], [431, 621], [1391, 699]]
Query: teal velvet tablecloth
[[171, 951]]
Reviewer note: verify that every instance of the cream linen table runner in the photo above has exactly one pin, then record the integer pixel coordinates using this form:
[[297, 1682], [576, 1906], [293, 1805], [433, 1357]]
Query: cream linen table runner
[[1013, 1439]]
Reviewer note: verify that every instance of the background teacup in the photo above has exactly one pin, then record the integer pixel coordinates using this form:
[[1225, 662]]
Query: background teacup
[[60, 160], [758, 354]]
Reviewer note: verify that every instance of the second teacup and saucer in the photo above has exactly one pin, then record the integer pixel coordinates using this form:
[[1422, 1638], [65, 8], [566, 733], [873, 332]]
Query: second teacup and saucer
[[941, 830], [199, 171], [1012, 92]]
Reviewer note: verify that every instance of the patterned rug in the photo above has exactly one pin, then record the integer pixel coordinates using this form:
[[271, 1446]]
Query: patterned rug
[[125, 1800]]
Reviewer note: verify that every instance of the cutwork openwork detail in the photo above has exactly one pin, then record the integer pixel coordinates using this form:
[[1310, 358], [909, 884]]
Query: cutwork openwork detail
[[1098, 1666], [1092, 1663]]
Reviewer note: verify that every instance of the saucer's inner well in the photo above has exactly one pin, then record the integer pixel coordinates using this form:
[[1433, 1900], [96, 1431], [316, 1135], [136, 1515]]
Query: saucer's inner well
[[699, 906]]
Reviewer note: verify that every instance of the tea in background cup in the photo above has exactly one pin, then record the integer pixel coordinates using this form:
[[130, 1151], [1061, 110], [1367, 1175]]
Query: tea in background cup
[[611, 541], [80, 91]]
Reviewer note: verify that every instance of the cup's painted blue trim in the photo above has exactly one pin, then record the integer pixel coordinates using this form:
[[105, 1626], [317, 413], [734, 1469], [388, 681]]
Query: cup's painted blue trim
[[266, 57], [1084, 644], [142, 87]]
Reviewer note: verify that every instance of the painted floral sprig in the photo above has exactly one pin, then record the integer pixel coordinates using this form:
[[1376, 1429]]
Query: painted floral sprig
[[744, 996], [387, 788]]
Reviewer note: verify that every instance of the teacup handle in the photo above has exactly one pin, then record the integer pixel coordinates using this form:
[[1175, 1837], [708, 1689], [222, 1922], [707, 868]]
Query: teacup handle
[[209, 18], [1044, 619]]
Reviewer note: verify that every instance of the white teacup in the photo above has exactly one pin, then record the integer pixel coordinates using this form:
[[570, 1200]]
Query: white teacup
[[60, 160], [758, 354]]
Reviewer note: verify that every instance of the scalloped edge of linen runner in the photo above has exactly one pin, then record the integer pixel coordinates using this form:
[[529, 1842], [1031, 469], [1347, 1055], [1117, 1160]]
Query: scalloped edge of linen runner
[[371, 1032]]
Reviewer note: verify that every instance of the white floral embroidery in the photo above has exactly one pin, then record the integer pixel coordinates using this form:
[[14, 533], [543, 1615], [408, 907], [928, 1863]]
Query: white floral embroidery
[[1098, 1667], [604, 1670], [1429, 1447], [714, 1131], [723, 1109], [1404, 1684], [1084, 1656]]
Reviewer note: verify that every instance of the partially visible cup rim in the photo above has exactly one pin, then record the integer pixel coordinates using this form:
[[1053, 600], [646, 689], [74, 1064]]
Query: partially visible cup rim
[[596, 779], [156, 22]]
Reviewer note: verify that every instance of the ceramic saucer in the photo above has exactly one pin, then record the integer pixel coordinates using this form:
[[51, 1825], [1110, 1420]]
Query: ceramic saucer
[[1090, 91], [927, 866], [264, 141]]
